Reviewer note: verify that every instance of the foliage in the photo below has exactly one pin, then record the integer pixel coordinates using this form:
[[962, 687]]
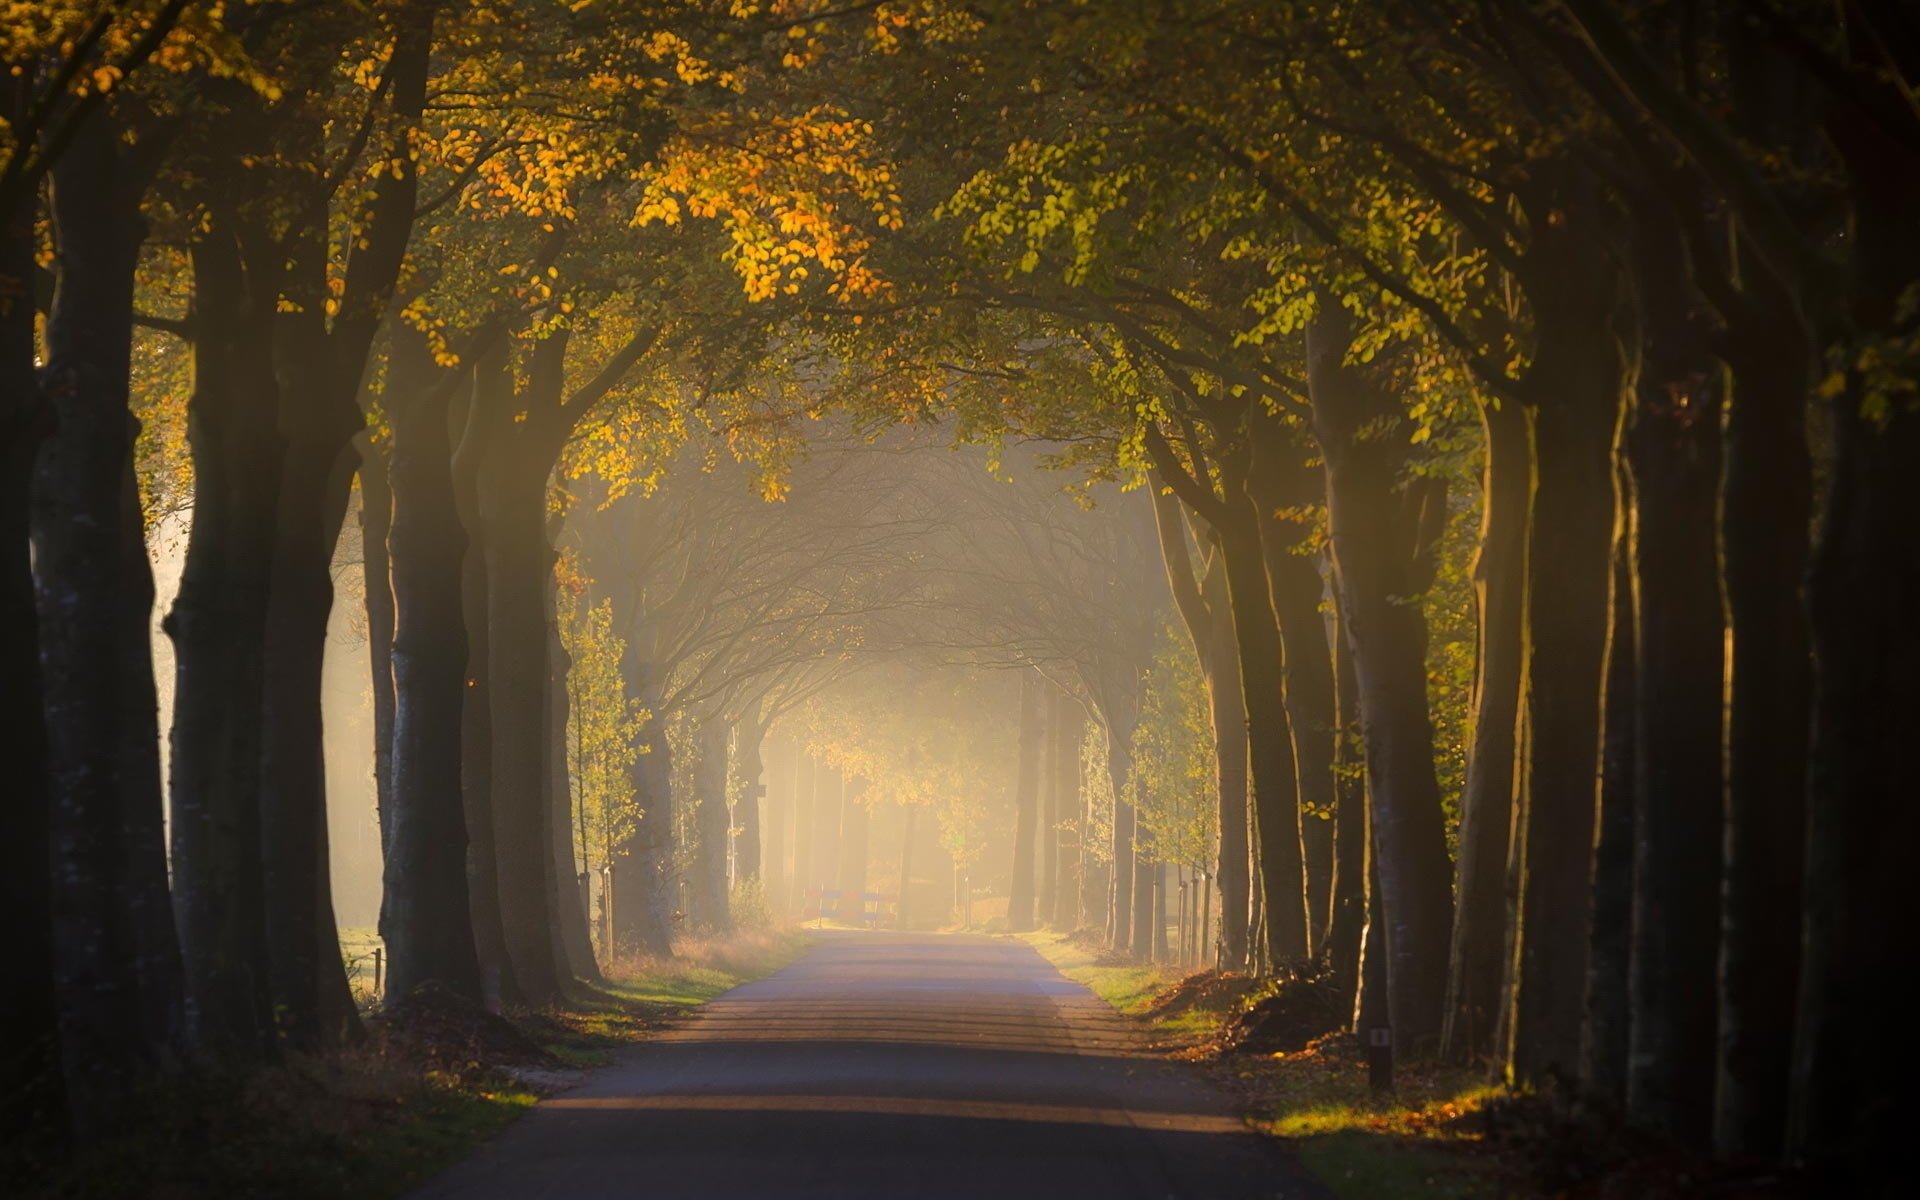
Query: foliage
[[603, 723], [1174, 784]]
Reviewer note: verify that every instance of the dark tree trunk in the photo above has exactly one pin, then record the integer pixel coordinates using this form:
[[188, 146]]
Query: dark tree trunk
[[1278, 879], [1765, 508], [376, 518], [643, 876], [1474, 964], [425, 912], [1575, 378], [1863, 589], [1383, 539], [1068, 734], [115, 959], [218, 628], [319, 364], [1350, 855], [29, 1054], [492, 381], [571, 931], [1288, 492], [1227, 712], [1671, 446], [1026, 801], [707, 886], [512, 485], [1603, 1045], [1207, 613]]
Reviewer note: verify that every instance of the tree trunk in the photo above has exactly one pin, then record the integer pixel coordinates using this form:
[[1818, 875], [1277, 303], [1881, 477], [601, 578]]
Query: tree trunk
[[747, 810], [1575, 389], [1383, 539], [1289, 492], [218, 628], [1124, 842], [902, 907], [376, 519], [1350, 854], [1672, 450], [1475, 954], [115, 958], [30, 1059], [512, 485], [805, 794], [571, 931], [1603, 1045], [1146, 874], [1047, 898], [1067, 737], [707, 888], [1026, 817], [1863, 589], [854, 849], [492, 381], [1227, 713], [1765, 511], [426, 915], [643, 876], [1273, 803]]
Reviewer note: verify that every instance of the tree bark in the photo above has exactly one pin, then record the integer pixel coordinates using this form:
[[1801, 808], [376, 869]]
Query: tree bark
[[426, 914], [571, 932], [512, 485], [1848, 1103], [218, 626], [1123, 843], [1604, 1034], [29, 1059], [643, 877], [491, 385], [115, 958], [1026, 802], [1479, 941], [1068, 733], [1289, 493], [1047, 897], [1273, 804], [1383, 539], [1765, 515], [1206, 611], [1672, 450], [1576, 392], [376, 519], [707, 885], [854, 850], [747, 810], [1350, 853]]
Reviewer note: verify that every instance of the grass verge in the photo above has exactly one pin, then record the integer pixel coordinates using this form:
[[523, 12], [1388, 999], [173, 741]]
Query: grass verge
[[1420, 1140], [376, 1119]]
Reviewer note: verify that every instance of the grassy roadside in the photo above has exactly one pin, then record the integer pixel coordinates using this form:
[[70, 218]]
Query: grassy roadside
[[374, 1120], [1418, 1141]]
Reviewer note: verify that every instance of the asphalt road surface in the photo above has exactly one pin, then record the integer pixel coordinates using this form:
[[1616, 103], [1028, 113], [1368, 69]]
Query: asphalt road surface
[[887, 1065]]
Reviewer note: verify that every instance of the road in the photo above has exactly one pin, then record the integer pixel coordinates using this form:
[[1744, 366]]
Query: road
[[888, 1066]]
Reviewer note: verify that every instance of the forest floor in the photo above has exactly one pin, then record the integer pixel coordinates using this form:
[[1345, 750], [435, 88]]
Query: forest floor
[[1301, 1082], [1442, 1132], [432, 1079]]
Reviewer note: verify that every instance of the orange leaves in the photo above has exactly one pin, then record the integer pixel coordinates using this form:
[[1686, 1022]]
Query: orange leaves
[[786, 190]]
